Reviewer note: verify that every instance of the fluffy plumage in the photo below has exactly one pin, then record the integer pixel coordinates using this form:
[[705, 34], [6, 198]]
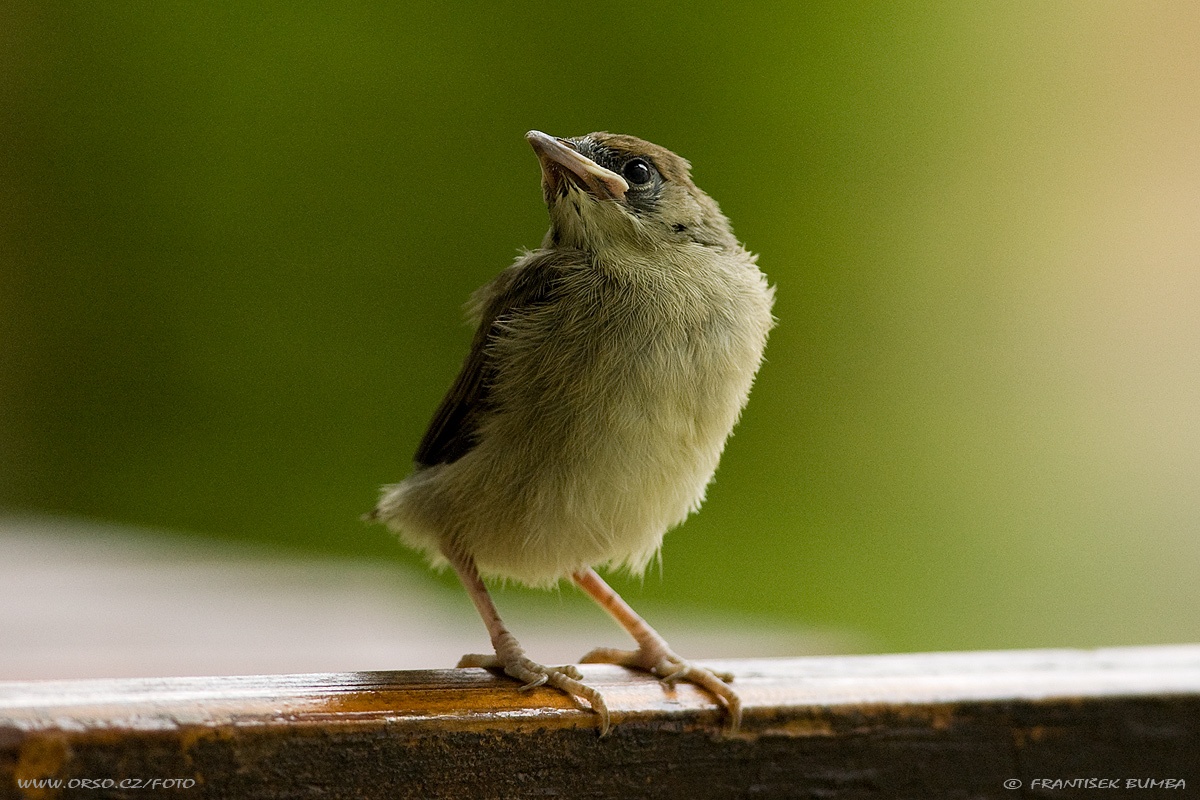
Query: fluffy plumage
[[607, 370]]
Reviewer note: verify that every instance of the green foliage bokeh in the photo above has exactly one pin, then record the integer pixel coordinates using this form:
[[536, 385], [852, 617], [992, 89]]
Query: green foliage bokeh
[[237, 238]]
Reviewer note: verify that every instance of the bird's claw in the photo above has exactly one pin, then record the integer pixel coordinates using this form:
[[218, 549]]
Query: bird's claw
[[533, 684], [566, 678], [671, 669]]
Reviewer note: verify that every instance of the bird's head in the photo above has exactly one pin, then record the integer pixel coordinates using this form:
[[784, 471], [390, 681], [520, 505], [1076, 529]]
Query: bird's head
[[607, 190]]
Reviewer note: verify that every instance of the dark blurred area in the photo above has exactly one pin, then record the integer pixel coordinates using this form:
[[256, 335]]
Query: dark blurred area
[[235, 239]]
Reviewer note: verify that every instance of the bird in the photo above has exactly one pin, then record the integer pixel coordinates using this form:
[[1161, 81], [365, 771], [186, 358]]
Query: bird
[[607, 369]]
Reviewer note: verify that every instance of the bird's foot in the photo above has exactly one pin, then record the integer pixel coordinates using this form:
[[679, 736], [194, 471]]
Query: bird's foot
[[532, 674], [659, 660]]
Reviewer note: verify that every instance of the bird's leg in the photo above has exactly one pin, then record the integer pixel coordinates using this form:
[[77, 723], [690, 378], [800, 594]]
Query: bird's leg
[[653, 654], [510, 656]]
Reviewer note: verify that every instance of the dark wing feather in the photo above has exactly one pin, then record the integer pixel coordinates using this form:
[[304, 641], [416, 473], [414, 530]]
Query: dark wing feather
[[453, 430]]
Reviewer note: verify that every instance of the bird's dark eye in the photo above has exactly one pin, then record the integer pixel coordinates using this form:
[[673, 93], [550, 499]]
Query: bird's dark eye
[[636, 171]]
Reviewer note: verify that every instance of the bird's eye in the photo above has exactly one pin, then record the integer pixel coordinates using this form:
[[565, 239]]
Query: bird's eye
[[636, 172]]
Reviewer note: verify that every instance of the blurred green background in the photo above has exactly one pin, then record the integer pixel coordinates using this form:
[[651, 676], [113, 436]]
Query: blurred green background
[[236, 237]]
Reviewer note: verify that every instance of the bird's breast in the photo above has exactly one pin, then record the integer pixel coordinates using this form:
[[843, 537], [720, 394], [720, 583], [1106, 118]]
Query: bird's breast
[[630, 381]]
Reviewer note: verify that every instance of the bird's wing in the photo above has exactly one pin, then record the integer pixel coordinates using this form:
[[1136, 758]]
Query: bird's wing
[[452, 432]]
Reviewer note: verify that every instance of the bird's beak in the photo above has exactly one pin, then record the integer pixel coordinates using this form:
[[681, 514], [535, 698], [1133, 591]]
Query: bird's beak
[[561, 161]]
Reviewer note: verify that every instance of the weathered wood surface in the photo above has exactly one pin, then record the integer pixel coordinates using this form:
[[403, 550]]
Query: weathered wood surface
[[920, 726]]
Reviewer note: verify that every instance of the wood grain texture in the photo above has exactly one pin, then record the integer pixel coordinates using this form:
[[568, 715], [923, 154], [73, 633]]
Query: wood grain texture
[[932, 725]]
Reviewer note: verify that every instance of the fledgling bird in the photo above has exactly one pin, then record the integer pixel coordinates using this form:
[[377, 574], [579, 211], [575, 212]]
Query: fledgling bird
[[607, 370]]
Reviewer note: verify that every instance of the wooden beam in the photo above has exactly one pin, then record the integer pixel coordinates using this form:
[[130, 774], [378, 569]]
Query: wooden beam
[[897, 726]]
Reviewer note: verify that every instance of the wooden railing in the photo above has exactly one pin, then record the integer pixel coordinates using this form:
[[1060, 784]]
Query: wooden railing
[[964, 725]]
